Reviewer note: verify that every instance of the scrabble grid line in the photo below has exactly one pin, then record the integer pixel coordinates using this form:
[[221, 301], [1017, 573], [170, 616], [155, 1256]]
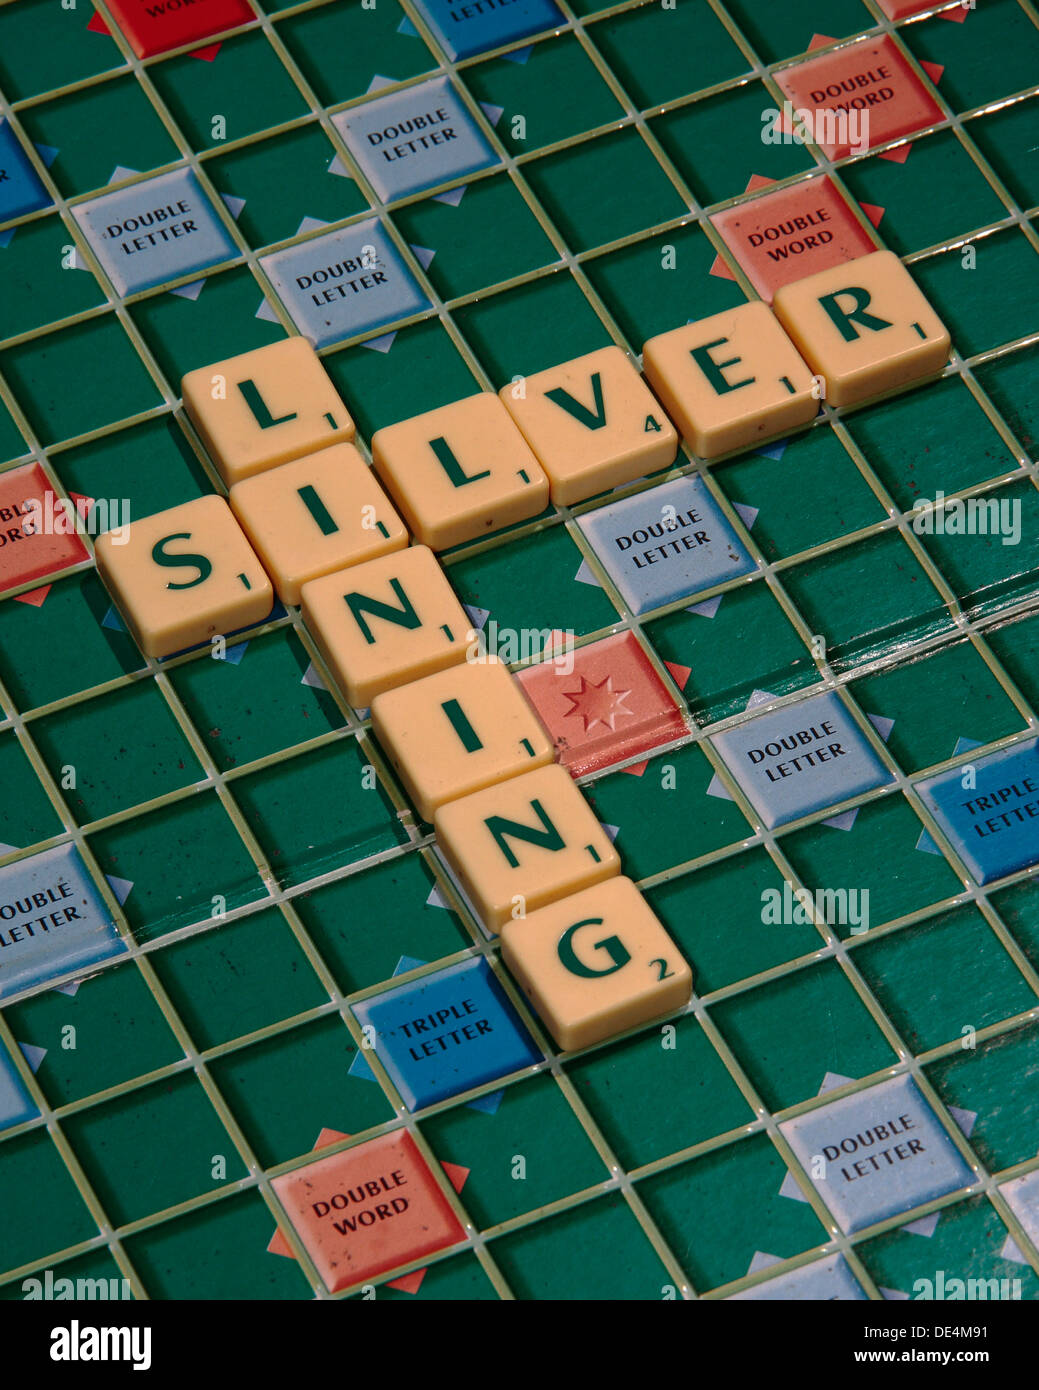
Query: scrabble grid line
[[973, 628]]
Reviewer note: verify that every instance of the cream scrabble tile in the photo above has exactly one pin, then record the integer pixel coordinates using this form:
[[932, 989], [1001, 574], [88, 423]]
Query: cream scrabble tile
[[460, 471], [386, 622], [265, 407], [317, 514], [457, 731], [596, 964], [864, 327], [183, 576], [522, 844], [593, 423], [730, 380]]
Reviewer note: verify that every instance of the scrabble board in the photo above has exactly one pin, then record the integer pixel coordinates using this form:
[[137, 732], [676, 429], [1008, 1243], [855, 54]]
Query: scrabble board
[[797, 685]]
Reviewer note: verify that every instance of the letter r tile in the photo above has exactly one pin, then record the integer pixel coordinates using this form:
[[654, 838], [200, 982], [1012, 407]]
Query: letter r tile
[[864, 327]]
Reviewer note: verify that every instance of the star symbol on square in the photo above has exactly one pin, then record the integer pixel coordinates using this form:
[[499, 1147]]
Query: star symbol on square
[[596, 702]]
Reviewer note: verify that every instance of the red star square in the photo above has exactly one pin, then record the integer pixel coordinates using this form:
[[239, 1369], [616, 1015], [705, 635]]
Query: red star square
[[598, 702], [610, 705]]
